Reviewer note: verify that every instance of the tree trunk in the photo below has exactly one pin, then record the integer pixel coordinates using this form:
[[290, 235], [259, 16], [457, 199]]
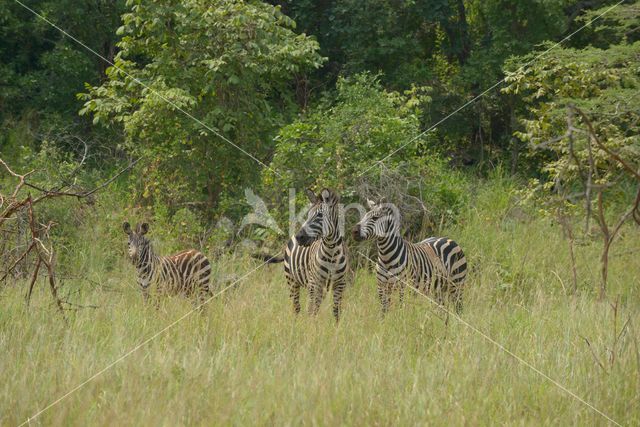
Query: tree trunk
[[463, 27], [605, 267], [515, 147]]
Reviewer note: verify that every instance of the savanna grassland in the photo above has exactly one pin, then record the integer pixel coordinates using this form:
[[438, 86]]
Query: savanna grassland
[[511, 126], [248, 360]]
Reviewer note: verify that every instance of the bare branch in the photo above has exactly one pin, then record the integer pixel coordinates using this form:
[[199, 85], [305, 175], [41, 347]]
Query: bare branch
[[38, 232], [34, 276], [17, 261]]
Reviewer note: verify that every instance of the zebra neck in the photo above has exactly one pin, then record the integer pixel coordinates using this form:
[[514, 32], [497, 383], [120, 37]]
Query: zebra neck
[[390, 247], [332, 242], [147, 262]]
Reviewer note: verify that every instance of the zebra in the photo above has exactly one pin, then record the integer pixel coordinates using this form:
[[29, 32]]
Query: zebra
[[436, 263], [186, 272], [316, 256]]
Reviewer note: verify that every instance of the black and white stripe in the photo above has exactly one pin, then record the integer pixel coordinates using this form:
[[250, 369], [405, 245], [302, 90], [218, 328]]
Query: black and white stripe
[[434, 264], [316, 256], [187, 272]]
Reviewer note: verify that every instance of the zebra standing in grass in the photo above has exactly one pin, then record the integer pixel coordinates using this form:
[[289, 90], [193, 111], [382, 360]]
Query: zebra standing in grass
[[316, 256], [436, 263], [187, 272]]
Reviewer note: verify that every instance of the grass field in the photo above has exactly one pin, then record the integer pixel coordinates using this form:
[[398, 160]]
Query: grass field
[[249, 360]]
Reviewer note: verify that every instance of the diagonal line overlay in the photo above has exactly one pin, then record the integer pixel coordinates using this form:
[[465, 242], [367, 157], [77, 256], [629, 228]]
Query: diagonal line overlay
[[432, 127], [500, 346], [466, 104], [165, 99], [139, 346]]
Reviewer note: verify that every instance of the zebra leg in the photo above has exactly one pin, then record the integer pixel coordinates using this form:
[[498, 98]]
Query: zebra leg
[[316, 290], [439, 297], [145, 295], [338, 288], [436, 286], [383, 294], [203, 292], [205, 286], [457, 299], [401, 293], [311, 288], [144, 287], [294, 294]]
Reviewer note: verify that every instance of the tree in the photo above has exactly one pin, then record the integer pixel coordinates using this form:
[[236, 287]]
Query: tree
[[603, 83], [340, 144], [581, 123], [396, 39], [227, 63], [41, 69]]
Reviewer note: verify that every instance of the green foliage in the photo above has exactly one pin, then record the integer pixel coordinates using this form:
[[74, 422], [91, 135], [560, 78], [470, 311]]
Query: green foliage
[[603, 83], [177, 231], [41, 70], [504, 28], [338, 144], [244, 69], [339, 140], [226, 63], [456, 47], [379, 35], [618, 25], [497, 30]]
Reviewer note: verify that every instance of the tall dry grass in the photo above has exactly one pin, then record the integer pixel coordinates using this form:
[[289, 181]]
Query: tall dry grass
[[248, 360]]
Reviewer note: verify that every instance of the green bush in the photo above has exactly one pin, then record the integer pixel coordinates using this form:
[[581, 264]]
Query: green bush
[[340, 143], [341, 138]]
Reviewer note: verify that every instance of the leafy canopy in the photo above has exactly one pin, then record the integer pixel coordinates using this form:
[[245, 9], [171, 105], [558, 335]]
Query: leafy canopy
[[603, 83], [227, 63], [341, 142], [342, 138]]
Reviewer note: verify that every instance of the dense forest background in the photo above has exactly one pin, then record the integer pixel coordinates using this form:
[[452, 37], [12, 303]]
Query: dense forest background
[[218, 97]]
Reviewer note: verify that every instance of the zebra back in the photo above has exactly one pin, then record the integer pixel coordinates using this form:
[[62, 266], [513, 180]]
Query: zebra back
[[184, 272], [447, 256]]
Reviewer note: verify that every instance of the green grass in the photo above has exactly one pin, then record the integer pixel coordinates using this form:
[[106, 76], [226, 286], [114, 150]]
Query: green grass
[[249, 360]]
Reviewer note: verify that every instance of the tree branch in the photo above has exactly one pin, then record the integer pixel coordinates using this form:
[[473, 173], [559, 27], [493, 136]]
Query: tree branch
[[613, 155]]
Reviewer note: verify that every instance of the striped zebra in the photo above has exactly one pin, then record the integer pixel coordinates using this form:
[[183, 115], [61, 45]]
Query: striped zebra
[[316, 256], [187, 272], [436, 263]]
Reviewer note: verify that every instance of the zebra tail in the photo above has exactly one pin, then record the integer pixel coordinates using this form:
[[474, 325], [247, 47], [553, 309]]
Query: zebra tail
[[269, 259]]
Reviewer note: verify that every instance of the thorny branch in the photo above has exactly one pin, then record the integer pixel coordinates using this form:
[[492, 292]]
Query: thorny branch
[[38, 233]]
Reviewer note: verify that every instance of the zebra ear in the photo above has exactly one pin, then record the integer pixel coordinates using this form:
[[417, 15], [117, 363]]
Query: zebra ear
[[326, 194], [311, 195], [371, 203], [126, 227], [382, 200], [143, 228]]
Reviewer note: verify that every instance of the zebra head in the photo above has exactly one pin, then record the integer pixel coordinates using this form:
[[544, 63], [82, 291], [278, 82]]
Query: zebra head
[[382, 220], [322, 219], [138, 243]]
